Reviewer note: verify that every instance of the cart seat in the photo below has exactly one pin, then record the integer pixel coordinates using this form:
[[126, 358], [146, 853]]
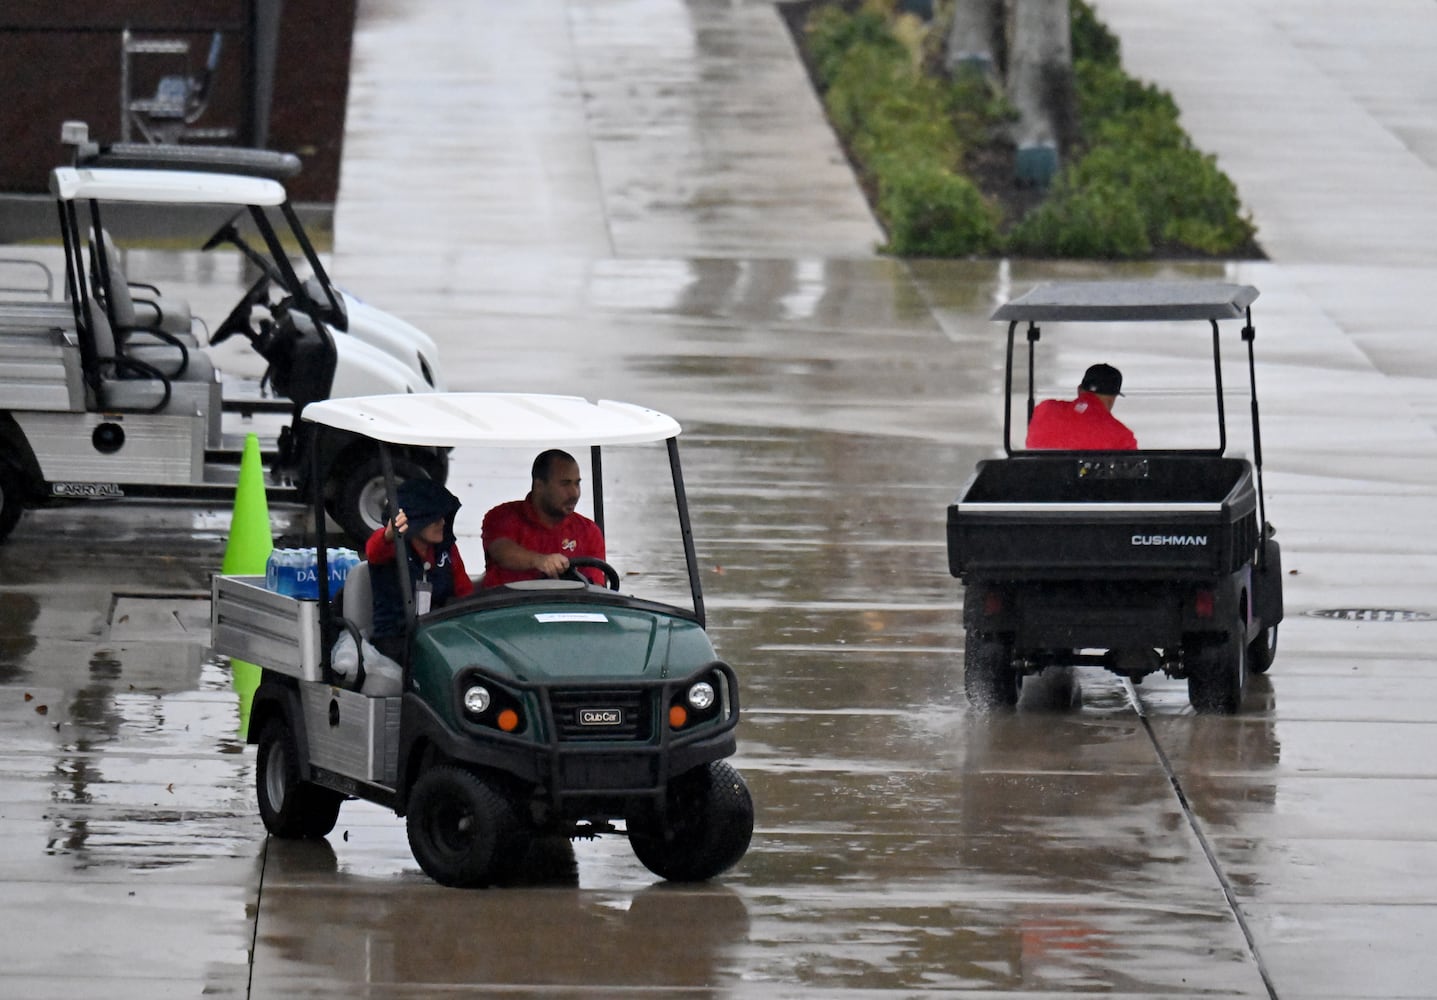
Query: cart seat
[[358, 598], [152, 329], [149, 312], [382, 676], [123, 383]]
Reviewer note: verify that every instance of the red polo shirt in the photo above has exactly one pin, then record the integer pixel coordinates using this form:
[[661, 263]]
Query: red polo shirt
[[1082, 424], [576, 535]]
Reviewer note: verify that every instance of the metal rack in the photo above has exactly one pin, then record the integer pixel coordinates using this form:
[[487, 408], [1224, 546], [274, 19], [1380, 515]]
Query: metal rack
[[180, 98]]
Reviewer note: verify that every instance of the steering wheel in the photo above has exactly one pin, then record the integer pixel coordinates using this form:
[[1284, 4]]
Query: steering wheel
[[229, 233], [576, 563], [238, 319]]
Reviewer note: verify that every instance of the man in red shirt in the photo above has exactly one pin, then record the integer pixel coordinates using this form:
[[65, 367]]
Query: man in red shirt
[[537, 536], [1085, 423]]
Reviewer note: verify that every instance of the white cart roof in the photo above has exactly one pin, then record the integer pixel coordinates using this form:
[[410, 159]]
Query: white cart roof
[[457, 419], [163, 187]]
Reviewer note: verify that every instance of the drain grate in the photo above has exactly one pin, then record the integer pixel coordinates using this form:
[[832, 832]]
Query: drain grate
[[1373, 615]]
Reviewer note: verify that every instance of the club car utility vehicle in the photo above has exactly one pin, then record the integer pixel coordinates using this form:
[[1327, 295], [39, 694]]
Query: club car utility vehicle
[[537, 708], [1137, 561], [111, 393]]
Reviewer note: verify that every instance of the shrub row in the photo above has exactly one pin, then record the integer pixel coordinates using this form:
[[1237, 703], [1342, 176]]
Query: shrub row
[[896, 122]]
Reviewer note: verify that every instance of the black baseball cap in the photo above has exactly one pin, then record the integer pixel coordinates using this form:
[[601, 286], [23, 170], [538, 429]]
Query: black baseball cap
[[1105, 380]]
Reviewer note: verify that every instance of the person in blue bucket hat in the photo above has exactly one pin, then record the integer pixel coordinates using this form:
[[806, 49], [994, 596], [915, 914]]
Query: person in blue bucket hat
[[425, 519]]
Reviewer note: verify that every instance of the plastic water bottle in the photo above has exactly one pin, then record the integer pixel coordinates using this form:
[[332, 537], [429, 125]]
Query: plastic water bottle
[[271, 570], [289, 583], [290, 576], [341, 561], [307, 574]]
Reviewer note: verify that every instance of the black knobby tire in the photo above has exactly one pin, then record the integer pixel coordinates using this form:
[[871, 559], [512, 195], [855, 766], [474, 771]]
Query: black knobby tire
[[1217, 675], [989, 680], [359, 496], [710, 824], [290, 807], [1262, 650], [12, 501], [462, 828]]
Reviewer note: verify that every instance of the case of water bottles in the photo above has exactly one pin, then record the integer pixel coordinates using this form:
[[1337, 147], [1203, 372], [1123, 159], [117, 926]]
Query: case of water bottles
[[295, 572]]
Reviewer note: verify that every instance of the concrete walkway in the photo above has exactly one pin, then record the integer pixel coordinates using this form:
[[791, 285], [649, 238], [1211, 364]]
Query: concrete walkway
[[590, 129]]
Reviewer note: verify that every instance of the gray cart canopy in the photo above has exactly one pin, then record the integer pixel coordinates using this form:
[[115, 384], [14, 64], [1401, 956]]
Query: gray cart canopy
[[1129, 301]]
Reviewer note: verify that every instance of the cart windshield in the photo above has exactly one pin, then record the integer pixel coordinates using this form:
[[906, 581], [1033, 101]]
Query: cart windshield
[[632, 484], [1186, 371]]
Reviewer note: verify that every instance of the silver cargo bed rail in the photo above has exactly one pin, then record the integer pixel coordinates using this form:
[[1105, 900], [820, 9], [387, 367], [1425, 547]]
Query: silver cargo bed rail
[[270, 630]]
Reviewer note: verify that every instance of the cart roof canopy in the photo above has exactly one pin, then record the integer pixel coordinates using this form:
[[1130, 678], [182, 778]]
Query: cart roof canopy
[[163, 187], [1121, 301], [457, 419]]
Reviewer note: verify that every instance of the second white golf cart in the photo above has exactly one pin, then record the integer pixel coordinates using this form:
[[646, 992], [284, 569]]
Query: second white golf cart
[[539, 707], [112, 394]]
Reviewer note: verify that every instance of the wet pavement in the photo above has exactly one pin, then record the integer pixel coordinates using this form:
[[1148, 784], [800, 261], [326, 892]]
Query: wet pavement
[[639, 201]]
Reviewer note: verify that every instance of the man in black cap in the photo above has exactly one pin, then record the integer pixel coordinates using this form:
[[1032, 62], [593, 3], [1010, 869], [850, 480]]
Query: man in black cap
[[436, 571], [1086, 423]]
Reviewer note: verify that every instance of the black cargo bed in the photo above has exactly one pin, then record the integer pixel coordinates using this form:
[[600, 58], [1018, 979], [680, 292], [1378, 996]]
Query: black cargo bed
[[1103, 515]]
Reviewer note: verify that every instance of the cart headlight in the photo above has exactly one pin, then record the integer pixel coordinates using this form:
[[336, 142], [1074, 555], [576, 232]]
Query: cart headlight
[[701, 696], [476, 699]]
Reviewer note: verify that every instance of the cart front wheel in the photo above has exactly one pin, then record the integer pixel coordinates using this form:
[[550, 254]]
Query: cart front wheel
[[290, 807], [709, 815], [989, 679], [359, 497], [462, 829]]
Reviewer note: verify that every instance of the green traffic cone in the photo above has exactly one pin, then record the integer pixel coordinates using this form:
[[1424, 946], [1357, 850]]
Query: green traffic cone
[[250, 541], [246, 554]]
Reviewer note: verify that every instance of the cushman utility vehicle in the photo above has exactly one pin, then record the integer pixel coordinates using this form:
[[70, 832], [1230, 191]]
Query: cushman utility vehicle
[[111, 393], [1136, 561], [536, 708]]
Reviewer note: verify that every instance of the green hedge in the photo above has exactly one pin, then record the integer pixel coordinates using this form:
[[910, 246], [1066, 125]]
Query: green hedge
[[897, 125], [1133, 186]]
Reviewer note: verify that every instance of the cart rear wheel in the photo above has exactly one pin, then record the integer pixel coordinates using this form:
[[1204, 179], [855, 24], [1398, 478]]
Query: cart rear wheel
[[710, 823], [1217, 675], [290, 806], [462, 829], [1260, 651], [989, 679]]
